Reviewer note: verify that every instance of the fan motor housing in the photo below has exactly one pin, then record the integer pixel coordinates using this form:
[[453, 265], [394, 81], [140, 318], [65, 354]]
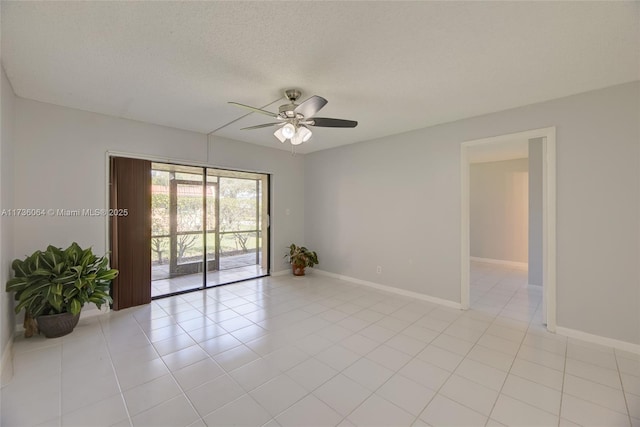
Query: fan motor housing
[[286, 112]]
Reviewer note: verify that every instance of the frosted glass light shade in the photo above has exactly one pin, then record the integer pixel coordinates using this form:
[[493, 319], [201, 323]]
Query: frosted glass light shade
[[288, 130], [278, 134], [296, 140], [304, 133]]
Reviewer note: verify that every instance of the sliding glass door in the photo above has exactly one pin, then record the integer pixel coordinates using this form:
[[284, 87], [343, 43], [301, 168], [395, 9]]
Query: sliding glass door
[[209, 227]]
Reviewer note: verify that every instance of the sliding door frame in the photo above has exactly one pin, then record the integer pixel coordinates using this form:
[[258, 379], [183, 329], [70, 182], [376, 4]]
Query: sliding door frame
[[184, 162]]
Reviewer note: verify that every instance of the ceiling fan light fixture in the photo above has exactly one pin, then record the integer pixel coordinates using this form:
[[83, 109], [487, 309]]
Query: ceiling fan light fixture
[[293, 120], [288, 131]]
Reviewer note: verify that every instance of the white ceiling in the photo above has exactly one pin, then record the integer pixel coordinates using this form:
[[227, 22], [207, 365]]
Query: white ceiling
[[392, 66]]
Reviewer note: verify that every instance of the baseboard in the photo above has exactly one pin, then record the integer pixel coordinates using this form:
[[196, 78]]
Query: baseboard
[[391, 289], [6, 363], [280, 273], [597, 339], [512, 264]]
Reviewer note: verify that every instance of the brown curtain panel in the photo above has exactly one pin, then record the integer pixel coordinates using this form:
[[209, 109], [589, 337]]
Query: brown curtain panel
[[130, 186]]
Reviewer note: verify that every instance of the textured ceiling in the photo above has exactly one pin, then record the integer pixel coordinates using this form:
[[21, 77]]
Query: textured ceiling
[[392, 66]]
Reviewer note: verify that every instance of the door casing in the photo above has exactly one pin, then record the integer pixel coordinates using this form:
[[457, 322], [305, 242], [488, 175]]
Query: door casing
[[548, 216]]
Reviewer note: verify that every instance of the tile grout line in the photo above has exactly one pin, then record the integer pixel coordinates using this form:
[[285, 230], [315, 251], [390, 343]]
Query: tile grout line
[[397, 371], [248, 393], [357, 332], [362, 356], [485, 332], [115, 374], [512, 362], [598, 404], [462, 360], [273, 417], [211, 357], [514, 357], [624, 394], [227, 373], [168, 369], [564, 375], [451, 373]]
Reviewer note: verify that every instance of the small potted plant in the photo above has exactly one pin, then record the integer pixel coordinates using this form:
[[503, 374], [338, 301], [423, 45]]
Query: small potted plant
[[53, 285], [300, 258]]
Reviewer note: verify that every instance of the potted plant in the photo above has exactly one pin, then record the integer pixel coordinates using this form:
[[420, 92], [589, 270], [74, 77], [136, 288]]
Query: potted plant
[[300, 258], [53, 285]]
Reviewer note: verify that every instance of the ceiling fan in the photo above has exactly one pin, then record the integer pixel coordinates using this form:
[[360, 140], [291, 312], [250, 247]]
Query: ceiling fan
[[294, 120]]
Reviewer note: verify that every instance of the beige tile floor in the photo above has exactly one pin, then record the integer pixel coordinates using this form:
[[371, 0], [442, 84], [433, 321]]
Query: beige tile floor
[[286, 351]]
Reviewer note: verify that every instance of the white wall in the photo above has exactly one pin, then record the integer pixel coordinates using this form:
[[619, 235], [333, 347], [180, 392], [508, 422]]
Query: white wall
[[535, 270], [62, 153], [498, 205], [395, 202], [7, 100], [392, 202], [287, 188]]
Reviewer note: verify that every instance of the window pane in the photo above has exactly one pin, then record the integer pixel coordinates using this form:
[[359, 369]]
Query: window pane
[[189, 209], [238, 204]]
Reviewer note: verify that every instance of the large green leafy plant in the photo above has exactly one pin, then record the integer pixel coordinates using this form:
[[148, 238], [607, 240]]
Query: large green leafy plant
[[60, 281]]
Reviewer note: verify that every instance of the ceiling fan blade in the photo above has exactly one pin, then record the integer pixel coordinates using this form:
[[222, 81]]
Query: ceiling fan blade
[[254, 109], [311, 106], [332, 123], [266, 125]]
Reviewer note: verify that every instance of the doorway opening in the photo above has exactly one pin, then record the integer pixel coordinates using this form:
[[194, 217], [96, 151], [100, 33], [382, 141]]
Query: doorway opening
[[535, 266]]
